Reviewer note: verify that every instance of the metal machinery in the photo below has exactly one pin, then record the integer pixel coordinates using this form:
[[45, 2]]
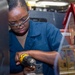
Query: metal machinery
[[4, 45], [67, 64]]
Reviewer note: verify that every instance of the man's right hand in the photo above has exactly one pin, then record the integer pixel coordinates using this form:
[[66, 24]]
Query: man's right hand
[[28, 70]]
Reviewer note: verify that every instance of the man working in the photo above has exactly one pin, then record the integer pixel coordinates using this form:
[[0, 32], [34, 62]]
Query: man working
[[38, 39]]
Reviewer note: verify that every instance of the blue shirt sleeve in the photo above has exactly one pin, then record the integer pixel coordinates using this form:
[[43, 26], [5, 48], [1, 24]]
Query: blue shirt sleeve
[[54, 37]]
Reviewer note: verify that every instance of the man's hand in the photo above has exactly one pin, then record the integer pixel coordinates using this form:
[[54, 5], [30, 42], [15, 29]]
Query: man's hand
[[17, 57], [18, 54]]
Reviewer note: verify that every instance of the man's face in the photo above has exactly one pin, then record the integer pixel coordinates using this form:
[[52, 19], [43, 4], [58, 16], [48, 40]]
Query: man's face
[[19, 20]]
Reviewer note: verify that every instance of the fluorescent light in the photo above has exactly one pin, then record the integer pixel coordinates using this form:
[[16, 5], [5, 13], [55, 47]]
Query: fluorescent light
[[50, 3], [30, 0], [31, 3]]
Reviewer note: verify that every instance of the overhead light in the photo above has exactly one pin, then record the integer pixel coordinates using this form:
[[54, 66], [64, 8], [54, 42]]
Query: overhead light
[[30, 0], [51, 3]]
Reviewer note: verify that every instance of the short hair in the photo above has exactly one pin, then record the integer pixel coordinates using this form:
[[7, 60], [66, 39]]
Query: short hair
[[14, 3]]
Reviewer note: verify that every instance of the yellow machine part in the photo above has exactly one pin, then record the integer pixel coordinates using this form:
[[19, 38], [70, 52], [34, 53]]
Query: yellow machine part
[[22, 56]]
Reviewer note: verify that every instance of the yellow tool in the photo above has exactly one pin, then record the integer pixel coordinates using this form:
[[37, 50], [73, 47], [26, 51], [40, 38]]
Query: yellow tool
[[27, 60], [22, 56]]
